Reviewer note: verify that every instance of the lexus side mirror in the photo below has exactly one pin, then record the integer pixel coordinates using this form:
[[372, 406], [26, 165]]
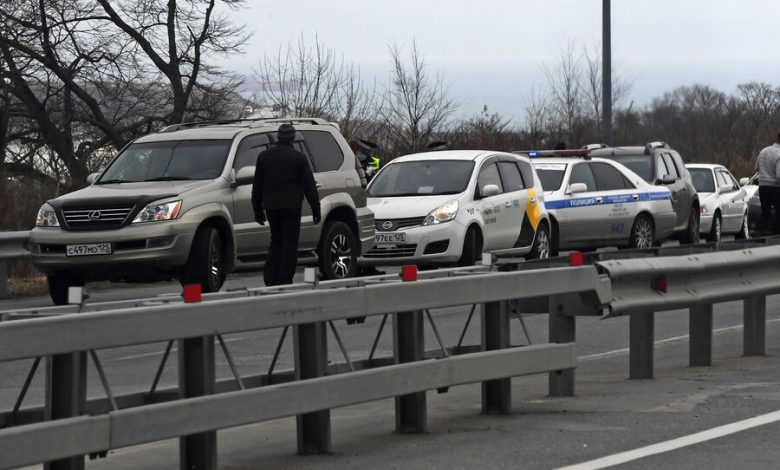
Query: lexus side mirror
[[245, 175]]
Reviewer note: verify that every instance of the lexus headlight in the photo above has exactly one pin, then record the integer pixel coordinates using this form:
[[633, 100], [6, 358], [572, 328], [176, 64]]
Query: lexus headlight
[[443, 213], [158, 211], [46, 217]]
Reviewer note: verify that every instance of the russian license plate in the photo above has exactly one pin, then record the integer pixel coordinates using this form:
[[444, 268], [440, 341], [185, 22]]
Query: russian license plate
[[87, 249], [385, 238]]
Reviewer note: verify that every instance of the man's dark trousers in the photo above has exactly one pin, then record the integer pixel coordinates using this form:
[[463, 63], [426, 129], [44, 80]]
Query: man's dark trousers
[[283, 253], [770, 205]]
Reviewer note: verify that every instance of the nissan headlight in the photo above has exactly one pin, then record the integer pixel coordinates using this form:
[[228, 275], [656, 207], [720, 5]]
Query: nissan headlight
[[158, 211], [46, 217], [443, 213]]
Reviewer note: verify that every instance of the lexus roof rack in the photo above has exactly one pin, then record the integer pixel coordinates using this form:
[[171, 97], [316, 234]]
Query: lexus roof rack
[[189, 125], [292, 120]]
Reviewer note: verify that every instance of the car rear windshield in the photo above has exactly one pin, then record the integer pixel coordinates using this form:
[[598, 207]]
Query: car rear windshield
[[642, 165], [168, 161], [422, 178], [702, 180], [551, 175]]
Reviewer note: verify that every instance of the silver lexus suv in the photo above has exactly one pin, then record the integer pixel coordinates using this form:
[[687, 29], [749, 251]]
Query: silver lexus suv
[[177, 205]]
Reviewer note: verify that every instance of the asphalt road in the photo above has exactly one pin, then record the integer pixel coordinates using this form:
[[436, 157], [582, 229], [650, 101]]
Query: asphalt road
[[609, 415]]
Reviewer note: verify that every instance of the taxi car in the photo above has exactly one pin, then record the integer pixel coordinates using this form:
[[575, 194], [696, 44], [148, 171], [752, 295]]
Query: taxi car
[[724, 204], [596, 202], [448, 207]]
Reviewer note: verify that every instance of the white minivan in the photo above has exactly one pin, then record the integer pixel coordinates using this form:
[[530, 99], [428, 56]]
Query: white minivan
[[448, 207]]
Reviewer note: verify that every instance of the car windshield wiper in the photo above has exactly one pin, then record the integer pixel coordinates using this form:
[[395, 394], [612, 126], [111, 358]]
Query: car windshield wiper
[[169, 178], [116, 180]]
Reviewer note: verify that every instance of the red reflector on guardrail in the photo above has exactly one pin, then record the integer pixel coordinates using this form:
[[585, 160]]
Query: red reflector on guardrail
[[191, 293], [659, 284], [575, 258], [409, 273]]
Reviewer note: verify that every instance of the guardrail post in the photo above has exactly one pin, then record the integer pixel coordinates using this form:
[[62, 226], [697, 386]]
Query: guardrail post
[[66, 395], [641, 338], [411, 415], [754, 341], [197, 378], [311, 360], [700, 334], [496, 394], [3, 279], [562, 329]]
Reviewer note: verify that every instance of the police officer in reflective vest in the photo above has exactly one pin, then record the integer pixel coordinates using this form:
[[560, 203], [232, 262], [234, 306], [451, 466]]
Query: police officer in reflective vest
[[282, 178], [366, 153]]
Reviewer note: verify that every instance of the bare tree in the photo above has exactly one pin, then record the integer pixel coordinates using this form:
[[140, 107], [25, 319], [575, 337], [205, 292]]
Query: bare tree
[[301, 80], [356, 106], [592, 86], [316, 82], [90, 76], [416, 105], [564, 79], [537, 118]]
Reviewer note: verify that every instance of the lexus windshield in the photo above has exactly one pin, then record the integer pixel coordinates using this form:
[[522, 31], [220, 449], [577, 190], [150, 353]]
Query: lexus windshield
[[168, 161], [422, 178]]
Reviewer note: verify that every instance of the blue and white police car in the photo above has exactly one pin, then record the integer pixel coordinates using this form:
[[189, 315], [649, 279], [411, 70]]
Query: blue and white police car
[[596, 202], [448, 207]]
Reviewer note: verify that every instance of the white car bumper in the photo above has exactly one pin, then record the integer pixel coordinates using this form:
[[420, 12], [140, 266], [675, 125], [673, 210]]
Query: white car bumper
[[430, 244]]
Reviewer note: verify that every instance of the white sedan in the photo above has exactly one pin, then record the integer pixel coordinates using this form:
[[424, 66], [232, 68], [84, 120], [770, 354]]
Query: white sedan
[[448, 207], [724, 204], [595, 202]]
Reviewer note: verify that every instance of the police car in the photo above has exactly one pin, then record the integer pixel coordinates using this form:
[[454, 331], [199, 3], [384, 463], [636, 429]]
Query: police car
[[448, 207], [598, 202]]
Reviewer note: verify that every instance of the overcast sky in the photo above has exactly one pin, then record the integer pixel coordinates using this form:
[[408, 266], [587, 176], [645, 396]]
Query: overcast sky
[[491, 52]]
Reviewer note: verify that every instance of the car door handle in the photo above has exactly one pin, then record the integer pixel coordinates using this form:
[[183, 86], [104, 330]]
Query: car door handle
[[532, 200], [635, 197], [318, 185], [599, 200], [508, 204]]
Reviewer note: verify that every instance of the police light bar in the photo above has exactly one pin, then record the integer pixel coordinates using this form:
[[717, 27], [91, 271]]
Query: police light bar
[[554, 153]]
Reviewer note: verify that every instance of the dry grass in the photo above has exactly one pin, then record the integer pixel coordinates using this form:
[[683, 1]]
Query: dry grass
[[27, 286]]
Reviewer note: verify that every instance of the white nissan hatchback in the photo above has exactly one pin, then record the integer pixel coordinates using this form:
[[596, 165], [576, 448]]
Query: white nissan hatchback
[[448, 207]]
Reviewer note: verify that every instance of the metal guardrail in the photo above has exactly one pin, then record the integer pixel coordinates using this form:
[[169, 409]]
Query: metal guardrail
[[641, 287], [176, 298], [12, 247], [312, 394], [636, 284], [668, 283]]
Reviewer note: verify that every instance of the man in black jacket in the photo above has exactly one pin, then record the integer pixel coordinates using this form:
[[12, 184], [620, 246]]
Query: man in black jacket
[[282, 178]]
